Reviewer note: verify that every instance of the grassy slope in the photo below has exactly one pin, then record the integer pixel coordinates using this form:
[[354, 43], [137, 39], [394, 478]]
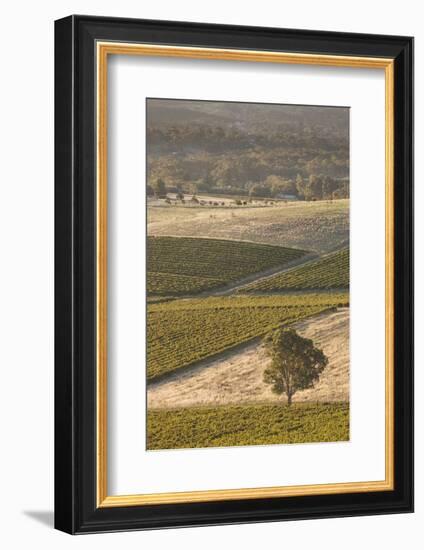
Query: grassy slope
[[247, 425], [320, 226], [182, 332], [329, 272], [179, 265]]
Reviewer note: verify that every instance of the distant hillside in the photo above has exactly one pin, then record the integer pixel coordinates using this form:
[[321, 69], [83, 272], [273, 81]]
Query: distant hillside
[[249, 149], [164, 113]]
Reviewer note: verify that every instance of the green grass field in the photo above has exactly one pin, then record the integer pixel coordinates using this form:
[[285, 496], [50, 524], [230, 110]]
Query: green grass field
[[247, 425], [184, 265], [181, 332], [329, 272]]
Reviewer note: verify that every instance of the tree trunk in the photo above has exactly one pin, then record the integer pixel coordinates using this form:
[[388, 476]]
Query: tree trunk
[[289, 399]]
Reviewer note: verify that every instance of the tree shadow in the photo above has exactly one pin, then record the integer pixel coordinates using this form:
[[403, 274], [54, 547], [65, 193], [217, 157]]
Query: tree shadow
[[46, 517]]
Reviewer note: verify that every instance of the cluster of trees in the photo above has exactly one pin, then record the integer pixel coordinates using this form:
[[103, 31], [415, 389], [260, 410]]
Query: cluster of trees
[[267, 174], [274, 186], [322, 187], [311, 188]]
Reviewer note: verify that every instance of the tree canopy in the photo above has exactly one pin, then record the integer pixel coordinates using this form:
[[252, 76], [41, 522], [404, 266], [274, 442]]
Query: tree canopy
[[159, 187], [296, 364]]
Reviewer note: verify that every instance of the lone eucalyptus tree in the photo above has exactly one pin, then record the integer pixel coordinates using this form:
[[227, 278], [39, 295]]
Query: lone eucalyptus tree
[[296, 364]]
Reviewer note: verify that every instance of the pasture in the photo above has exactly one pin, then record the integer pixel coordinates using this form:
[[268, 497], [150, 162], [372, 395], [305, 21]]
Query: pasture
[[319, 226]]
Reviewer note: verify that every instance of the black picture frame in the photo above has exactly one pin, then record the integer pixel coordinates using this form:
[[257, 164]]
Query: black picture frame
[[76, 510]]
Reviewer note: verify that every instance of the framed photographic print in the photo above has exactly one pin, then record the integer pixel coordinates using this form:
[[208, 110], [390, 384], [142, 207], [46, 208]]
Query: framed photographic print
[[233, 271]]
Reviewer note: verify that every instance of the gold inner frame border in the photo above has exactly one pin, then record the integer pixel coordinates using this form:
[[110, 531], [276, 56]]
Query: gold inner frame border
[[103, 50]]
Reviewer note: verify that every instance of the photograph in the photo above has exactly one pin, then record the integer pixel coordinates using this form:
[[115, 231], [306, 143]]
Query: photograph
[[247, 286]]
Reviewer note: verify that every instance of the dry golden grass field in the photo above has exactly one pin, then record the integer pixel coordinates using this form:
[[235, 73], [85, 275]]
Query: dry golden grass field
[[318, 226]]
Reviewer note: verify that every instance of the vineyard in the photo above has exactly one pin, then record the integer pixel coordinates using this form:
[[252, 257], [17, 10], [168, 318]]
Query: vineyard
[[181, 332], [164, 284], [186, 265], [329, 272], [247, 425]]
